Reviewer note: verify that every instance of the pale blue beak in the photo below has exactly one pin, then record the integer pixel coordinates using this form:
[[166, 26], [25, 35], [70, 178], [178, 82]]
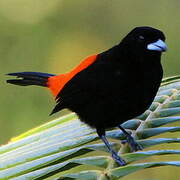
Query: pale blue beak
[[159, 45]]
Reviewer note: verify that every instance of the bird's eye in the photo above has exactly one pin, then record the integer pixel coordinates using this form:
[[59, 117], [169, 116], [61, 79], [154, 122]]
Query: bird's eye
[[141, 37]]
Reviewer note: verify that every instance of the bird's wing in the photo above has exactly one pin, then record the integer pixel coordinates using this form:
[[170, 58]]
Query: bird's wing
[[99, 80]]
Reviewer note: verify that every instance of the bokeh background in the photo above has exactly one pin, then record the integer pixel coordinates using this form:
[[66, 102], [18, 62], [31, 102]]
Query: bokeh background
[[53, 36]]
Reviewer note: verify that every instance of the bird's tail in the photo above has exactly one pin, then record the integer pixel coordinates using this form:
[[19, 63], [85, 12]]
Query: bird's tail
[[30, 78], [53, 82]]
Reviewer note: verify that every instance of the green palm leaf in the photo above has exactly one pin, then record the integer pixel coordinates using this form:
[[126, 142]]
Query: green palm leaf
[[65, 148]]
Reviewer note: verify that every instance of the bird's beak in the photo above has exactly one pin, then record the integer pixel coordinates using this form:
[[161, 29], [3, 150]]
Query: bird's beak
[[159, 45]]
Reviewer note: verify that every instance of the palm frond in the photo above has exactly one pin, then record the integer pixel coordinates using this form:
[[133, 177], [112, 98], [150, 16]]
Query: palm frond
[[53, 150]]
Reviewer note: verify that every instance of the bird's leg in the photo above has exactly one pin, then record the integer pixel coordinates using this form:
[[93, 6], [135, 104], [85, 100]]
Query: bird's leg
[[134, 146], [118, 160]]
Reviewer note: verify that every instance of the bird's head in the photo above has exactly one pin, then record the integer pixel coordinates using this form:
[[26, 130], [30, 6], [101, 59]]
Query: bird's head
[[145, 41]]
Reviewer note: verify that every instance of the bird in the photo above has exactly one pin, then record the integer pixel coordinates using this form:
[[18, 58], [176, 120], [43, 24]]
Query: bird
[[109, 88]]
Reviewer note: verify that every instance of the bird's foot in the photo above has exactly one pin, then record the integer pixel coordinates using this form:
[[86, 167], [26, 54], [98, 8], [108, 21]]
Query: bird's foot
[[118, 159], [134, 146], [114, 155]]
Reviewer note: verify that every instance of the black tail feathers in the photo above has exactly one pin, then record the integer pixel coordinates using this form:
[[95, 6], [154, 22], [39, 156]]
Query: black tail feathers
[[29, 78]]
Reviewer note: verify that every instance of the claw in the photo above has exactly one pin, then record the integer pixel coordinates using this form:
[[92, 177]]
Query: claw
[[134, 146], [118, 160], [114, 155], [124, 141]]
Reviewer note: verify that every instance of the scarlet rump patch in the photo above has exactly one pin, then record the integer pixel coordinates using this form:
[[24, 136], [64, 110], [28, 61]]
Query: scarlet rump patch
[[56, 83]]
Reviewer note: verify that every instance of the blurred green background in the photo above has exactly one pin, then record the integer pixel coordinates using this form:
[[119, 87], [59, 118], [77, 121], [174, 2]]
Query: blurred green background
[[53, 36]]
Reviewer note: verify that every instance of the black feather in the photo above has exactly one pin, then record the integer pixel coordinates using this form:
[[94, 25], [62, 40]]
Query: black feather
[[29, 78]]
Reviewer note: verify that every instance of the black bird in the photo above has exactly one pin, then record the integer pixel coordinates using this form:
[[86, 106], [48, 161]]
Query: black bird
[[111, 87]]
